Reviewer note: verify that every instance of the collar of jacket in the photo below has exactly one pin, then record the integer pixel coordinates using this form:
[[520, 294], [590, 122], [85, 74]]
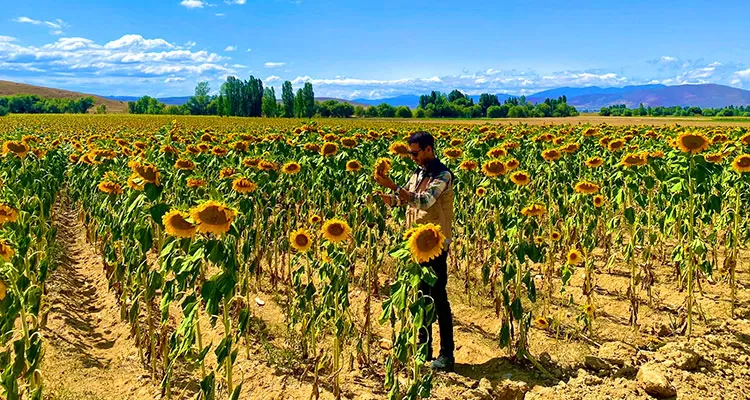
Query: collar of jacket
[[433, 167]]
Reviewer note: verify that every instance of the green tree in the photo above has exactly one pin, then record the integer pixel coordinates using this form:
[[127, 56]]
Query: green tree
[[359, 111], [309, 100], [287, 97], [496, 112], [403, 112], [101, 109], [4, 110], [198, 103], [299, 104], [270, 104], [386, 110]]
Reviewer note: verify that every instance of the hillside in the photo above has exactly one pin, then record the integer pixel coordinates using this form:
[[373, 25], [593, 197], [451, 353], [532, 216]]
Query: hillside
[[8, 88]]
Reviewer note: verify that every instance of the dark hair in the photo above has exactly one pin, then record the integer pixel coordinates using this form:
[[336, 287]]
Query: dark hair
[[423, 139]]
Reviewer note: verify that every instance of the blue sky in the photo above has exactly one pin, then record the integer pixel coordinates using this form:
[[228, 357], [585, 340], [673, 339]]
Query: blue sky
[[353, 49]]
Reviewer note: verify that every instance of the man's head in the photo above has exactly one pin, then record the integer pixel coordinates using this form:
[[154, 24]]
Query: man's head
[[421, 148]]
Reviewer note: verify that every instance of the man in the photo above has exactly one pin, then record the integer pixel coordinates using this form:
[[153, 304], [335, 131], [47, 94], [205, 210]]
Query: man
[[429, 196]]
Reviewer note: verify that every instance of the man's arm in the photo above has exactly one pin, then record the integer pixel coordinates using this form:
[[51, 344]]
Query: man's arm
[[427, 198]]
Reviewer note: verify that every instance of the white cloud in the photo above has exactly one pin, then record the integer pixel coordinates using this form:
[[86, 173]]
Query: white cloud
[[174, 79], [7, 39], [744, 74], [668, 59], [230, 48], [249, 50], [189, 44], [274, 64], [131, 41], [219, 14], [56, 26], [193, 3], [272, 78], [230, 2]]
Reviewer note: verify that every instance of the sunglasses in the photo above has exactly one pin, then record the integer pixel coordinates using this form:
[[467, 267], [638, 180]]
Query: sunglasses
[[414, 153]]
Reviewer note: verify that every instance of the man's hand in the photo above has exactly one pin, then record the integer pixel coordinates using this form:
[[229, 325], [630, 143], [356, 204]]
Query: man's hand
[[385, 182]]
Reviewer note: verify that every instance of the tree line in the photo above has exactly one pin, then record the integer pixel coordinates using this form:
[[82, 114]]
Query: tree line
[[34, 104], [622, 110]]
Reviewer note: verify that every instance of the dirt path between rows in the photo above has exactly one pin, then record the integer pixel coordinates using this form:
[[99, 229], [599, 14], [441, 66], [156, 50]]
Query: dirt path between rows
[[88, 350]]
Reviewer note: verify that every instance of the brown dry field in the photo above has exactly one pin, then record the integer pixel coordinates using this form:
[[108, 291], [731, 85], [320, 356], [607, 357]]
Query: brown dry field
[[8, 88]]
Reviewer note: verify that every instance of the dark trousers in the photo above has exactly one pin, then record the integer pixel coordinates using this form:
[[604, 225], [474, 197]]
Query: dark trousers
[[442, 307]]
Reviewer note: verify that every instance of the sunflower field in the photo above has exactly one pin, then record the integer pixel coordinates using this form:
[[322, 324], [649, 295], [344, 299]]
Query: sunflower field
[[193, 217]]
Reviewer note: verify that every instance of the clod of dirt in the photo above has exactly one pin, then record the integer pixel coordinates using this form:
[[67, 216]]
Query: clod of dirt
[[617, 353], [655, 383], [681, 356], [596, 364]]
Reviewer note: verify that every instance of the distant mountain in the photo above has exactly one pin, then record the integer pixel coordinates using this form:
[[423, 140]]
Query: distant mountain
[[8, 88], [572, 92], [706, 95]]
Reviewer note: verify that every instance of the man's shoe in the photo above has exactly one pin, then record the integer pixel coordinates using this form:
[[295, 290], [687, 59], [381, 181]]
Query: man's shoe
[[443, 363]]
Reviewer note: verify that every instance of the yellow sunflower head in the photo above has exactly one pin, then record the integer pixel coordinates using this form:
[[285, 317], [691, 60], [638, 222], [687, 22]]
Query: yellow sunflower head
[[541, 323], [575, 257], [616, 145], [6, 251], [184, 164], [745, 139], [497, 152], [693, 142], [312, 147], [300, 240], [291, 168], [227, 172], [8, 214], [453, 153], [135, 182], [353, 166], [349, 142], [147, 172], [17, 148], [594, 162], [520, 178], [481, 191], [598, 201], [494, 168], [3, 290], [110, 187], [176, 224], [468, 165], [382, 166], [243, 185], [534, 210], [741, 163], [399, 149], [586, 187], [589, 309], [329, 149], [512, 164], [336, 230], [195, 183], [426, 242], [714, 158], [314, 219], [555, 236], [634, 159], [551, 155], [212, 217]]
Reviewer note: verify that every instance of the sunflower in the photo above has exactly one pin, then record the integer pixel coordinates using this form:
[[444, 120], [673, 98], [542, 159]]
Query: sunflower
[[291, 168], [598, 201], [589, 309], [73, 158], [212, 217], [147, 172], [616, 145], [243, 185], [301, 240], [110, 187], [336, 230], [745, 139], [520, 178], [534, 210], [481, 191], [134, 182], [20, 149], [457, 142], [382, 166], [634, 160], [6, 252], [176, 224], [184, 164], [594, 162], [555, 236], [328, 149], [195, 183], [541, 323], [551, 155], [227, 172], [586, 187], [353, 166], [314, 219], [714, 157], [693, 143], [468, 165], [265, 165], [539, 240], [741, 163], [656, 154], [349, 142], [494, 168], [409, 232], [8, 214], [570, 148], [312, 147], [3, 290], [399, 149], [512, 164], [426, 242], [575, 257], [453, 153], [497, 152]]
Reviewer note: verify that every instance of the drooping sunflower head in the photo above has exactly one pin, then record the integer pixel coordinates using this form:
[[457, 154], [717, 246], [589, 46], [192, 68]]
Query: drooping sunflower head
[[512, 164], [494, 168], [291, 168], [329, 149], [382, 166], [574, 257], [399, 149], [481, 191], [349, 142], [227, 172], [455, 142], [468, 165], [551, 155], [634, 160], [312, 147], [110, 187], [570, 148], [135, 182], [17, 148], [453, 153], [586, 187], [534, 210], [195, 183], [336, 230], [176, 224], [8, 214], [714, 158], [745, 139], [6, 251], [184, 164], [353, 166], [594, 162], [616, 145], [265, 165], [426, 242], [300, 240], [693, 142], [147, 172], [243, 185], [520, 178], [741, 163], [656, 154], [212, 217], [598, 200]]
